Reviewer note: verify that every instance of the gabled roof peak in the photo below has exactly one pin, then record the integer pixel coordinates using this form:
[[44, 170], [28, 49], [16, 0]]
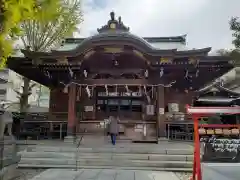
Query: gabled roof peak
[[113, 25]]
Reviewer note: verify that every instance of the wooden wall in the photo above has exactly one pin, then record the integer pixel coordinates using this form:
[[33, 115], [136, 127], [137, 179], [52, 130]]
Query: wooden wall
[[182, 98], [58, 101]]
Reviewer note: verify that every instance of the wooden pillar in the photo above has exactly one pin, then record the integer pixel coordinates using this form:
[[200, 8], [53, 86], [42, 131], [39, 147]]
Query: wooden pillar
[[160, 117], [71, 124]]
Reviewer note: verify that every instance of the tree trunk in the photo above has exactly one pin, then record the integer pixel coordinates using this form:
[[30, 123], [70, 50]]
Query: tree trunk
[[24, 95]]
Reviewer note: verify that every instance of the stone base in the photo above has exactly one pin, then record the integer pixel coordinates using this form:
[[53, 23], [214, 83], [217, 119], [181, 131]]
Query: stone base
[[9, 172], [9, 138]]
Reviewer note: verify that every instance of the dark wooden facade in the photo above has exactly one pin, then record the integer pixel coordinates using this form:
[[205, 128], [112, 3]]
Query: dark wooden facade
[[118, 73]]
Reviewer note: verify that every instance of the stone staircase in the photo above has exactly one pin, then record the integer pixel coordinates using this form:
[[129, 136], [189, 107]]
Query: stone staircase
[[122, 156]]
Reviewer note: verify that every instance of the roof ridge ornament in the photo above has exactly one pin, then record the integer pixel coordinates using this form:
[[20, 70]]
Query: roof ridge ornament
[[113, 24]]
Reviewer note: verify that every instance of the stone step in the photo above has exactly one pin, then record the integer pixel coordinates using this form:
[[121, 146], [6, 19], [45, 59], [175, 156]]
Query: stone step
[[133, 150], [105, 167], [114, 156], [22, 166], [123, 156], [103, 162]]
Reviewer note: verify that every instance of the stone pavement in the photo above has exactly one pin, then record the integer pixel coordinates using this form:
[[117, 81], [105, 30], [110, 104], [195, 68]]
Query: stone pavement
[[104, 174]]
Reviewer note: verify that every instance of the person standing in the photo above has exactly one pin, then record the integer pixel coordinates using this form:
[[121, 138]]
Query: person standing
[[113, 129]]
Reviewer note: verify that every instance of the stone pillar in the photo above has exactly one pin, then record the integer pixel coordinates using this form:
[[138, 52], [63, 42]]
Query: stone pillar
[[71, 124], [160, 117]]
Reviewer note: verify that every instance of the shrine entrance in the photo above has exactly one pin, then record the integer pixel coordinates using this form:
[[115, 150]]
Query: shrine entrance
[[124, 105], [129, 103]]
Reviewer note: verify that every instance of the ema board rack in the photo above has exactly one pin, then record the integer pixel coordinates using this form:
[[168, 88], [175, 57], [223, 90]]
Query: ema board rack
[[197, 113]]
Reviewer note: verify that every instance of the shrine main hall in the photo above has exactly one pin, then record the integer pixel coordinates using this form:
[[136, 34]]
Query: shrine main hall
[[140, 80]]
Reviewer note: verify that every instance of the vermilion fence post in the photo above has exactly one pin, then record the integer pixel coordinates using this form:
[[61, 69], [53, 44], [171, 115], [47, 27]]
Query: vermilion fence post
[[197, 154]]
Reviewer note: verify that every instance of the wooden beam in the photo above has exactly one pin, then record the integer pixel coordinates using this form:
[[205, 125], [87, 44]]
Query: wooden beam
[[113, 82]]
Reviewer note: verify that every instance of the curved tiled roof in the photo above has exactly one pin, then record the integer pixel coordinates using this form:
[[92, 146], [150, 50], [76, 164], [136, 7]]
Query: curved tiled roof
[[181, 39], [117, 38]]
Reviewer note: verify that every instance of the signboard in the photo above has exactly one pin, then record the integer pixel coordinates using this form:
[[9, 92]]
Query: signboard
[[88, 108], [161, 111], [220, 144], [221, 150], [124, 94]]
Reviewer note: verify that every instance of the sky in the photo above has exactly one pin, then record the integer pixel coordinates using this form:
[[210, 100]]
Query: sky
[[206, 22]]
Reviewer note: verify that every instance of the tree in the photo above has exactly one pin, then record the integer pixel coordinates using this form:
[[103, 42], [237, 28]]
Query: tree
[[13, 13], [234, 53], [47, 31], [235, 27]]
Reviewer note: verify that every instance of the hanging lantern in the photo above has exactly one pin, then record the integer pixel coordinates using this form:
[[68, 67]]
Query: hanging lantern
[[70, 72], [146, 74], [116, 63], [85, 73], [197, 73], [161, 72]]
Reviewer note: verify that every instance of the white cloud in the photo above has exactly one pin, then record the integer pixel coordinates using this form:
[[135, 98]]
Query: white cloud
[[205, 21]]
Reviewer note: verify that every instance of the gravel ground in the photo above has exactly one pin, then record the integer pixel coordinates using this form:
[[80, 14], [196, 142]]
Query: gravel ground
[[183, 175], [27, 174]]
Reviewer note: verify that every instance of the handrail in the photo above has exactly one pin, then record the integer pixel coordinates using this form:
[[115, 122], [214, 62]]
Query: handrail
[[81, 138], [78, 145]]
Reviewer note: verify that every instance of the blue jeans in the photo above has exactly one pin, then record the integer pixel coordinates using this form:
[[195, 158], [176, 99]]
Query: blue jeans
[[113, 139]]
